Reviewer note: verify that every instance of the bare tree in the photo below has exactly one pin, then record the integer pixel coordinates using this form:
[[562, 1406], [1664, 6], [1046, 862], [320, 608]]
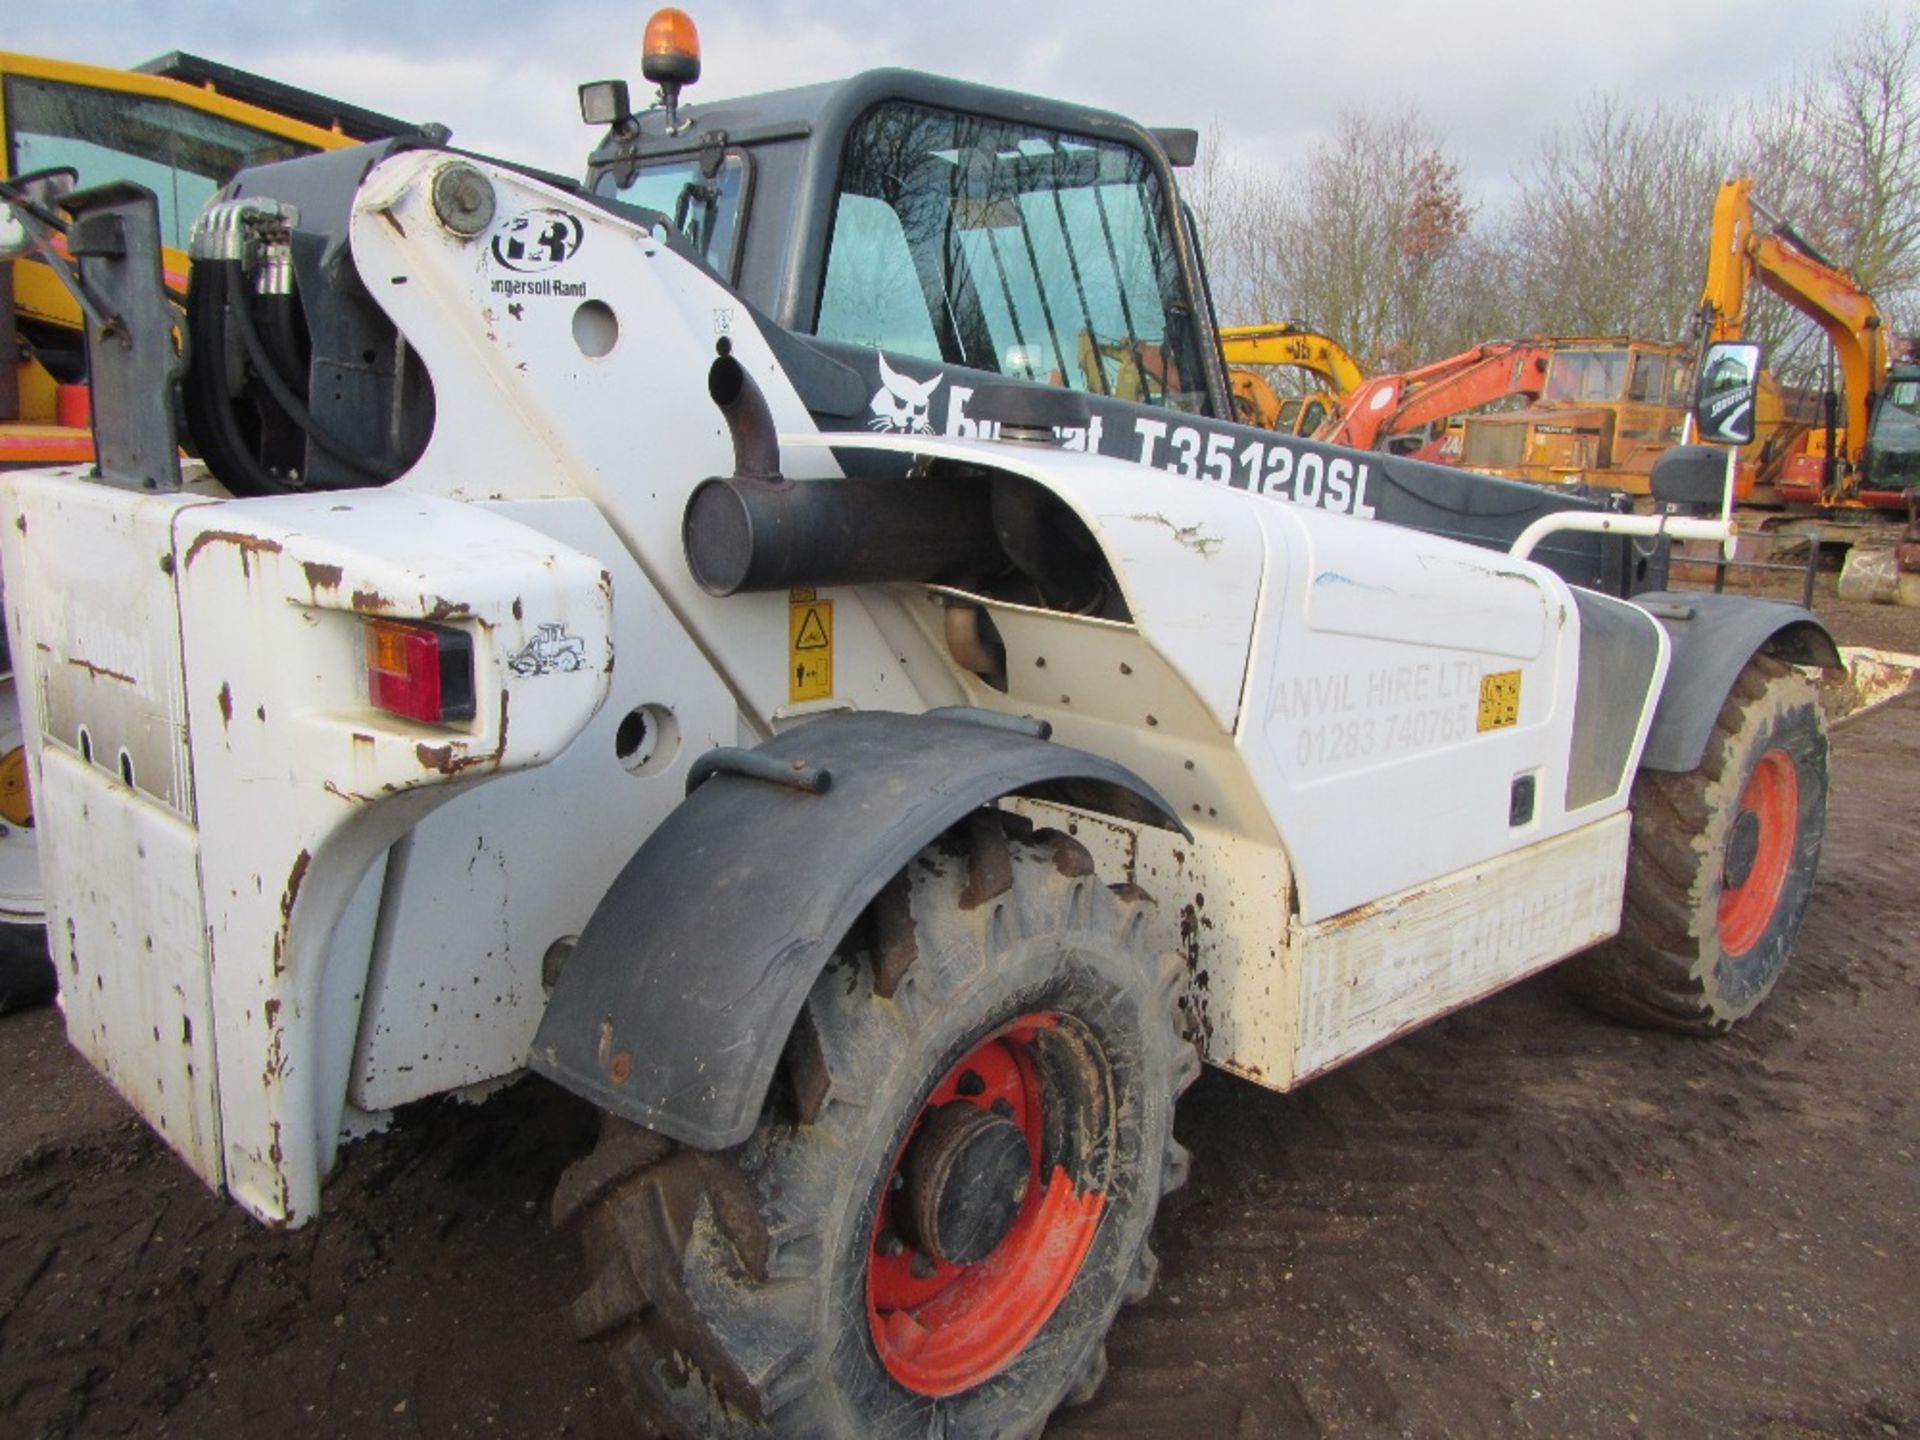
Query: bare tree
[[1610, 226], [1838, 153]]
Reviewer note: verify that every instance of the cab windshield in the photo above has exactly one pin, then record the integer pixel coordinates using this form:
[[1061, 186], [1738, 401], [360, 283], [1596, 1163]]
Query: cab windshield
[[1038, 254], [1586, 375], [181, 154]]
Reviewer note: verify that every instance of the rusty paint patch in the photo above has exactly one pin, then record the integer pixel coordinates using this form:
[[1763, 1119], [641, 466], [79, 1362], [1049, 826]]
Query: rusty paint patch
[[443, 759], [301, 862], [620, 1069], [517, 612], [226, 703], [100, 672], [272, 1009], [447, 609], [247, 545], [294, 876], [322, 577], [371, 600]]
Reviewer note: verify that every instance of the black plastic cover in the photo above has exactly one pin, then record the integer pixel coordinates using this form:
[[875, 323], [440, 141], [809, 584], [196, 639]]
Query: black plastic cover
[[1713, 638], [676, 1004]]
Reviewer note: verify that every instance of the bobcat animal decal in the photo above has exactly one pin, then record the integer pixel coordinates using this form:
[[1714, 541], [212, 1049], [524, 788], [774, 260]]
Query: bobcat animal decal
[[901, 403]]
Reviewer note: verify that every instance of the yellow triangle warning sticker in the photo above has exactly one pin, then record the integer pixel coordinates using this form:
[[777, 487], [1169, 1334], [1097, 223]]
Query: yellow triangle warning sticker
[[813, 632], [809, 648]]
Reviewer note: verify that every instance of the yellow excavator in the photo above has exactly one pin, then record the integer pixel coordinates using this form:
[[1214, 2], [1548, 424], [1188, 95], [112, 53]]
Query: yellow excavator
[[1298, 345], [179, 125], [1867, 453]]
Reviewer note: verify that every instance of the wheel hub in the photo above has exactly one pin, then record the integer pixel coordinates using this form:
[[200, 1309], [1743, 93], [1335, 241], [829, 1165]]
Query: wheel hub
[[991, 1204], [1743, 847], [966, 1177], [1759, 853]]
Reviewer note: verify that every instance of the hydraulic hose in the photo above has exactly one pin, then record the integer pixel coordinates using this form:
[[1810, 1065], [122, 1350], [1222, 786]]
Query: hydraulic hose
[[290, 404], [209, 405]]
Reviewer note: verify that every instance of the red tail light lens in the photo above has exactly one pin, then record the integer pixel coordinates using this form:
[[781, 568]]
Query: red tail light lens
[[420, 672]]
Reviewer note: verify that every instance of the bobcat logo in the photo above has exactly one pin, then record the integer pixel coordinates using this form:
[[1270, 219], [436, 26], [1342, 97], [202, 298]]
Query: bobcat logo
[[901, 403]]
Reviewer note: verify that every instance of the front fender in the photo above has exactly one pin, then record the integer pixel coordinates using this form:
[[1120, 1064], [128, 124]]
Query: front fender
[[677, 1002], [1713, 638]]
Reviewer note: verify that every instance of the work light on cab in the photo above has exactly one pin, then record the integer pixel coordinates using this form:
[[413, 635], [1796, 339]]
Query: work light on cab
[[420, 672]]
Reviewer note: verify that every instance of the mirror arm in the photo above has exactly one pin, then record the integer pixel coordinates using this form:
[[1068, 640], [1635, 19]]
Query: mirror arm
[[42, 230]]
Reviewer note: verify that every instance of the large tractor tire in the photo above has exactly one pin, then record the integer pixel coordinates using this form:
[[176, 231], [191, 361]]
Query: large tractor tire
[[1721, 865], [948, 1196]]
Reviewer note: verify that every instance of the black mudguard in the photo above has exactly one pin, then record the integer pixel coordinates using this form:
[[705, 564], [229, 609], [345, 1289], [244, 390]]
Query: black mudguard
[[1713, 638], [676, 1004]]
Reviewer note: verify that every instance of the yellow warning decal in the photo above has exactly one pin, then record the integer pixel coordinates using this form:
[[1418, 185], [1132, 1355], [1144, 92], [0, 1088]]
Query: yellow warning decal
[[1499, 700], [809, 647]]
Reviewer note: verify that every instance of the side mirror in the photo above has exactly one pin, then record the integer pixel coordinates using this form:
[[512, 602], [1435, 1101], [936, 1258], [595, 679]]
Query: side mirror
[[1723, 406], [27, 206]]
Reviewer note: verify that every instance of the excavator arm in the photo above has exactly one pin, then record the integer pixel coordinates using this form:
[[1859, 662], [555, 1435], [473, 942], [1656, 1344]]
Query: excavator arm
[[1292, 343], [1787, 265], [1289, 343], [1393, 404]]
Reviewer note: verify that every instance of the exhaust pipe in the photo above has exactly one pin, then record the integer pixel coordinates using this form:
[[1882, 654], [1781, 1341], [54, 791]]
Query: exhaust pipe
[[756, 530]]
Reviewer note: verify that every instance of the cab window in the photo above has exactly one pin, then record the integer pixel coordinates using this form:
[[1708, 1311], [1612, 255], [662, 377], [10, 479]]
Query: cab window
[[1649, 383], [179, 153], [1036, 254], [706, 208]]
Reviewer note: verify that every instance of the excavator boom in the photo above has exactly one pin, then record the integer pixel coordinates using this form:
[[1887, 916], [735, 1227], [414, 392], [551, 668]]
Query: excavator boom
[[1749, 242], [1393, 404]]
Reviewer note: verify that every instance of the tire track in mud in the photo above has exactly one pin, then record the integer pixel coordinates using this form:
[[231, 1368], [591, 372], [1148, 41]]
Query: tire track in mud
[[1524, 1220]]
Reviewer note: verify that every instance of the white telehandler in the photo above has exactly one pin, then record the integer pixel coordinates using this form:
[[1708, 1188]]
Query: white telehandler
[[725, 637]]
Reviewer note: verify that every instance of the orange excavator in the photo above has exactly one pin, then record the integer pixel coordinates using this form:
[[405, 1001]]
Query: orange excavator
[[1867, 454], [1394, 405], [1289, 343]]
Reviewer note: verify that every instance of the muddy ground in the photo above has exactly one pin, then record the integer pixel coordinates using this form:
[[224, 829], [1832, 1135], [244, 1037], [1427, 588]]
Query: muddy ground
[[1520, 1221]]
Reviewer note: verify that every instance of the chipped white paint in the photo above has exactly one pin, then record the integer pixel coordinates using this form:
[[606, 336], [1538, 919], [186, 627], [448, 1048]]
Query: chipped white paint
[[1369, 975], [378, 897]]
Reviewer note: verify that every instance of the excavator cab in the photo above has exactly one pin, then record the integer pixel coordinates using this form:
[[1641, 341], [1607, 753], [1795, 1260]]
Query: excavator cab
[[1893, 442]]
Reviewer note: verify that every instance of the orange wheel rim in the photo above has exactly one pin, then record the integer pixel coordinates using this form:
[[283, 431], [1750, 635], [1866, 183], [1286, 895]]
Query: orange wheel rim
[[1759, 852], [941, 1327], [16, 800]]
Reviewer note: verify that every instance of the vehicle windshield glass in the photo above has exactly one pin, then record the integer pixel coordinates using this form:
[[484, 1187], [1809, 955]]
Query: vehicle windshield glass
[[1031, 253], [1588, 375], [179, 153], [1649, 383], [705, 209]]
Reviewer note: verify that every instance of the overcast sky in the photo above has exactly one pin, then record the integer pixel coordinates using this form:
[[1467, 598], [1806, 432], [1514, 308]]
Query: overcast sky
[[1491, 75]]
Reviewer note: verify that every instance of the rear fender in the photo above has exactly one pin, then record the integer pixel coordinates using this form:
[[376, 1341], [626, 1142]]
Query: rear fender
[[1714, 636], [675, 1006]]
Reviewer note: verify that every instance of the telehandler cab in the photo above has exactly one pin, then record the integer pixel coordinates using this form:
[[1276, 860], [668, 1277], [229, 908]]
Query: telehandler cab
[[941, 781]]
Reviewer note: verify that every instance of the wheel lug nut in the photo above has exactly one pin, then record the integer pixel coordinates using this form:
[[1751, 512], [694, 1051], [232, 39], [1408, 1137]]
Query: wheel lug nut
[[921, 1266], [970, 1084]]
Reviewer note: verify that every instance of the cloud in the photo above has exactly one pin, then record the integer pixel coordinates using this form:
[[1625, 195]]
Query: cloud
[[1493, 75]]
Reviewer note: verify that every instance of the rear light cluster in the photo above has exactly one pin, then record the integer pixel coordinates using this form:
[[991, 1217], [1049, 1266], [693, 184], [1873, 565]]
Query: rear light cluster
[[420, 672]]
